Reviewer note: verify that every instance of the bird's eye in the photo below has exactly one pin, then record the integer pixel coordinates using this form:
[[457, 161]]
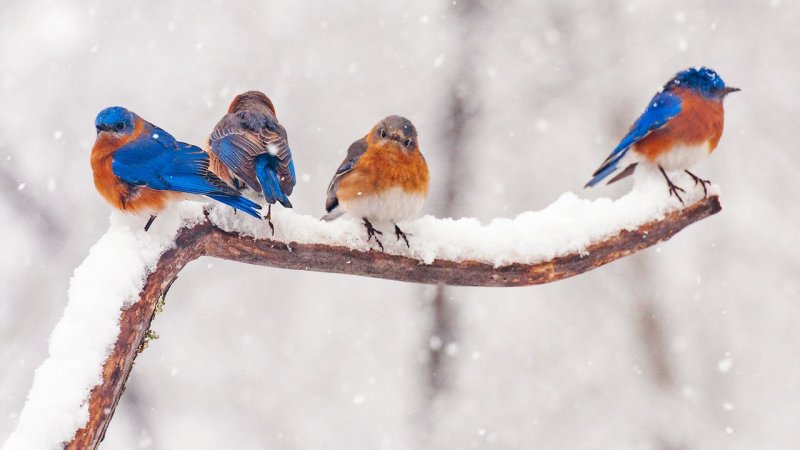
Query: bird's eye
[[409, 142], [119, 126], [383, 133]]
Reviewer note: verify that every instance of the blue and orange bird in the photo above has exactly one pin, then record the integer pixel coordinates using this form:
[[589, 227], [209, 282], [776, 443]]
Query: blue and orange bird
[[383, 178], [249, 147], [681, 126], [139, 167]]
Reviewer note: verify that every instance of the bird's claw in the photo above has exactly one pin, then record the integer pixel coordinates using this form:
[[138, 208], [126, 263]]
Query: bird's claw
[[401, 234], [701, 182], [673, 188], [268, 218], [373, 233], [149, 222]]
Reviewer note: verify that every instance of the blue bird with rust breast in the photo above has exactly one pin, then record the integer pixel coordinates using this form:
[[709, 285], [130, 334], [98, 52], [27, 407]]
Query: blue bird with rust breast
[[140, 168], [250, 148], [681, 126]]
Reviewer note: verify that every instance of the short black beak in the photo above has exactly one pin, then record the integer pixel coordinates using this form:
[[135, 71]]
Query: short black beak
[[729, 89], [102, 128]]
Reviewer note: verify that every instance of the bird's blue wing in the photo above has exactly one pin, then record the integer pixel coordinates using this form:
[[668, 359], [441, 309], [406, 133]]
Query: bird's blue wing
[[166, 139], [663, 107], [181, 167], [158, 161], [249, 143]]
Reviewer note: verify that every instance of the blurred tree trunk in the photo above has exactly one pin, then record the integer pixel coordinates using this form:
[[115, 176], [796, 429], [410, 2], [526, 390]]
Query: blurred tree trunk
[[134, 406], [461, 107], [650, 323], [31, 209], [643, 285], [641, 278], [655, 344]]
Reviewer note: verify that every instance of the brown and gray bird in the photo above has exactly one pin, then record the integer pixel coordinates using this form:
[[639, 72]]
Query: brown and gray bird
[[383, 178], [249, 147]]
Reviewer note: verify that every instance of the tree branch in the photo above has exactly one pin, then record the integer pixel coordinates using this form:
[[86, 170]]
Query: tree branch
[[207, 240]]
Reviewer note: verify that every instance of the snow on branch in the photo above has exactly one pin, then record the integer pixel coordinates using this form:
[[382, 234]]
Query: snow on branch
[[114, 294], [455, 272]]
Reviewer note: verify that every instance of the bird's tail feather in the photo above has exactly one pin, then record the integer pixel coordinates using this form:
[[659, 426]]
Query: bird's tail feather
[[268, 177], [335, 213], [608, 167], [628, 171], [243, 204]]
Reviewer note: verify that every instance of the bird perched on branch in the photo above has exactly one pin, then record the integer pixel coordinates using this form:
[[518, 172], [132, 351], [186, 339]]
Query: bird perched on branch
[[139, 167], [681, 126], [383, 178], [248, 147]]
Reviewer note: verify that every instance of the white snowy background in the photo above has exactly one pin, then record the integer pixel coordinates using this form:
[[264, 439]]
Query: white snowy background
[[692, 344]]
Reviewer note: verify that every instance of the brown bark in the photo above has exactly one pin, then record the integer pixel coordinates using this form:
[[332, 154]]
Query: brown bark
[[207, 240]]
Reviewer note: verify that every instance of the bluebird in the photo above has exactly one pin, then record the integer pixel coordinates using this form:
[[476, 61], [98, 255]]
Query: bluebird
[[139, 167], [681, 126], [249, 148], [383, 178]]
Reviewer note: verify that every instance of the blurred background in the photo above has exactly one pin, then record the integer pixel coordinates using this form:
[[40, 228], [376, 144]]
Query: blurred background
[[691, 344]]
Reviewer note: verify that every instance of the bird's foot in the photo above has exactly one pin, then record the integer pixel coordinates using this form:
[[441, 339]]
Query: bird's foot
[[673, 188], [271, 226], [149, 222], [701, 182], [401, 234], [373, 233], [268, 218]]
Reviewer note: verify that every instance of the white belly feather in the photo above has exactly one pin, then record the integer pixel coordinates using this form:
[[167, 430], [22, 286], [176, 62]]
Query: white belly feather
[[683, 157], [394, 205]]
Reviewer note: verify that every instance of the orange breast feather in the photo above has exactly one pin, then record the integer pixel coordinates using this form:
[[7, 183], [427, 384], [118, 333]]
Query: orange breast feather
[[385, 167], [700, 120]]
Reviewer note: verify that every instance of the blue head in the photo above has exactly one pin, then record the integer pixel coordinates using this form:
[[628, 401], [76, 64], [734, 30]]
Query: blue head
[[701, 80], [115, 120]]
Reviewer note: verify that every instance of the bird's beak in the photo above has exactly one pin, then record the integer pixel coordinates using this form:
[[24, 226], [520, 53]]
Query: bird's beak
[[102, 128], [730, 89]]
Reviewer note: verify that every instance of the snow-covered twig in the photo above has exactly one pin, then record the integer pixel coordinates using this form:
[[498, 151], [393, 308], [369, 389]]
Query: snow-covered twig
[[115, 292], [338, 259]]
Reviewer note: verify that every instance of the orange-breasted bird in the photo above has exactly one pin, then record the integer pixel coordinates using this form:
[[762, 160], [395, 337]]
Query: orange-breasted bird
[[249, 147], [139, 167], [383, 178], [681, 126]]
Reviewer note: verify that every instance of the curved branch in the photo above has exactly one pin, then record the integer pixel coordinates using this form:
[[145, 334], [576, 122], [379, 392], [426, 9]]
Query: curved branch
[[206, 239], [333, 259]]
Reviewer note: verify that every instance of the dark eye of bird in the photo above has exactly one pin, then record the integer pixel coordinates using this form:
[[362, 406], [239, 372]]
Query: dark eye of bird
[[383, 133], [409, 142], [119, 126]]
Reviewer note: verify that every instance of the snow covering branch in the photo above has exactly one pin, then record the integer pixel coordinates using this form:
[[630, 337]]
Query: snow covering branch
[[338, 259], [114, 294]]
